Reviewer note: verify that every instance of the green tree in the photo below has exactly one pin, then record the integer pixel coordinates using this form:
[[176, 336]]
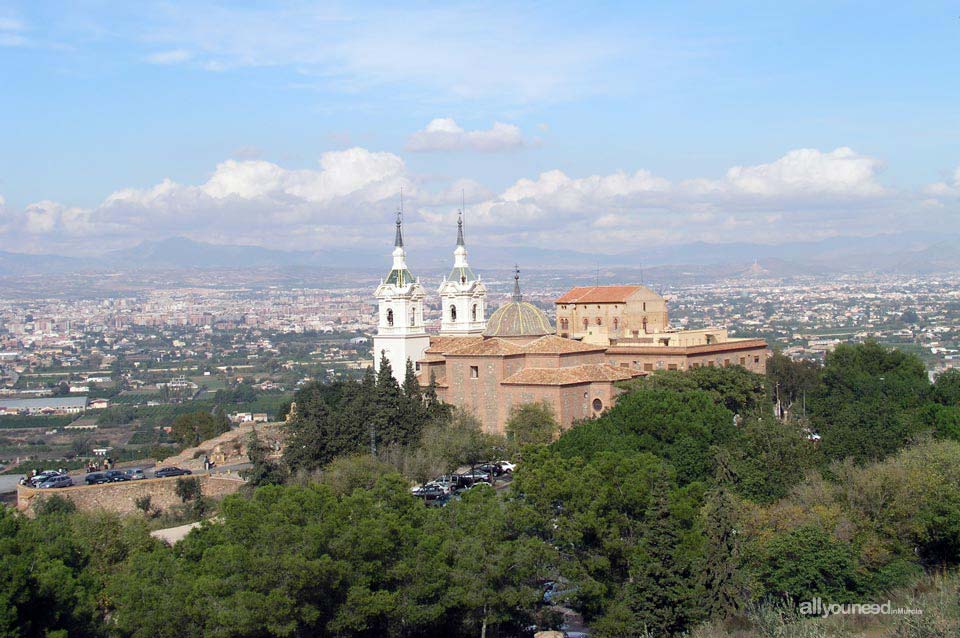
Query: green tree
[[807, 562], [531, 424], [767, 457], [192, 428], [866, 406]]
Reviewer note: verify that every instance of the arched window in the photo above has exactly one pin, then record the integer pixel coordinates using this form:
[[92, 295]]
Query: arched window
[[645, 324], [586, 323], [616, 323], [390, 316], [599, 321], [473, 312], [453, 313], [413, 316]]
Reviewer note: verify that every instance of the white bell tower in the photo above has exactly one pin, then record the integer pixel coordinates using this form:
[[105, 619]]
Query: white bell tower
[[400, 332], [462, 295]]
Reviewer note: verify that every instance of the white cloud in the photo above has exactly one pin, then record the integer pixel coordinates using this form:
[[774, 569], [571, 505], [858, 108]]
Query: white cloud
[[11, 33], [444, 134], [348, 198], [802, 172], [950, 188], [174, 56]]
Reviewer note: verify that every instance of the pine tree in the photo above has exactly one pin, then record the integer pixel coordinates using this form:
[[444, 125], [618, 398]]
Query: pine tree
[[722, 560], [386, 421], [658, 595]]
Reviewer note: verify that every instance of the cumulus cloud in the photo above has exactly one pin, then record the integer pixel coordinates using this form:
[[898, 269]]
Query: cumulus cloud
[[174, 56], [802, 172], [444, 134], [804, 194]]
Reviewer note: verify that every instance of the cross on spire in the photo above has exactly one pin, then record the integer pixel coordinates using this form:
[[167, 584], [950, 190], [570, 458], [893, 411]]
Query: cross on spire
[[460, 241], [516, 284]]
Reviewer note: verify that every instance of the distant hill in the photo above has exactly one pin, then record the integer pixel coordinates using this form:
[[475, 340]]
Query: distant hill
[[896, 253]]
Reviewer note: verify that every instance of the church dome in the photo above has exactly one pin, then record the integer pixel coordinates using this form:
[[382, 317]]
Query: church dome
[[518, 318]]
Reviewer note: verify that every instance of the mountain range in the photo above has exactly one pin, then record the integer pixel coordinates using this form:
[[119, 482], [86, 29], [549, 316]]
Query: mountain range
[[895, 253]]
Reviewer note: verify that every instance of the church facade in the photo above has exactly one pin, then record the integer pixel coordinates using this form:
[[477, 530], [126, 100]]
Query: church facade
[[604, 335]]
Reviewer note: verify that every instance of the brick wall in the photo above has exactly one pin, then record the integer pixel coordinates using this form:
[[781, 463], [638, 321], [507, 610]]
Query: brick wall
[[121, 498]]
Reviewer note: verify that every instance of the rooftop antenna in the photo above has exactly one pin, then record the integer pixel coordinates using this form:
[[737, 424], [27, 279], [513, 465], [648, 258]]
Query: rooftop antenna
[[641, 275]]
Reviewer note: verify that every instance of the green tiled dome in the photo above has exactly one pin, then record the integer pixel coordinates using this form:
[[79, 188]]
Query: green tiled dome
[[518, 319]]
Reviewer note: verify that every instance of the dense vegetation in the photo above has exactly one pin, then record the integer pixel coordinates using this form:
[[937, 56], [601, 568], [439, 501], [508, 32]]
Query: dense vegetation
[[687, 507]]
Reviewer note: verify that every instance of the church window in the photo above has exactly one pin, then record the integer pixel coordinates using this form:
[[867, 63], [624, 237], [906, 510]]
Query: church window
[[586, 323], [474, 312], [586, 395], [474, 372], [599, 321], [413, 316], [390, 316], [756, 359], [597, 405], [416, 366], [616, 323], [453, 313]]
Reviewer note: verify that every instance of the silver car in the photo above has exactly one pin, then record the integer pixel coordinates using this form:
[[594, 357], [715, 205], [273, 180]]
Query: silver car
[[61, 480]]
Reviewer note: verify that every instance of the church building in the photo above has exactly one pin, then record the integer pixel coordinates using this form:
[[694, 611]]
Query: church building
[[604, 335]]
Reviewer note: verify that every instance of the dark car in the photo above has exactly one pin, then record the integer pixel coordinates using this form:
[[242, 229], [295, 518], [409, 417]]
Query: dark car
[[164, 472], [493, 469], [429, 492], [96, 478], [115, 476]]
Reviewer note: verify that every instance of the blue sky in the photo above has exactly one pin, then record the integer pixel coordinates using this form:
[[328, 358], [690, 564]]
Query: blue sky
[[249, 122]]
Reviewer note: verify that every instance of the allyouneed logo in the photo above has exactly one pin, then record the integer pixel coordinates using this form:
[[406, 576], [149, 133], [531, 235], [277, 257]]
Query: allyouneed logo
[[817, 607]]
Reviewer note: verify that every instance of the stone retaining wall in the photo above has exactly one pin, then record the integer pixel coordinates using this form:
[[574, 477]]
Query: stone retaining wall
[[122, 497]]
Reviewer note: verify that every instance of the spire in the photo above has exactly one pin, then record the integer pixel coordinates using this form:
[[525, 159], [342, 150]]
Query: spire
[[460, 229], [516, 284], [398, 242]]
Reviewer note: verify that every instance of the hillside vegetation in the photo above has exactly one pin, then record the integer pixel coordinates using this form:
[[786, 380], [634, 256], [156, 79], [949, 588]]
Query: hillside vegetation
[[687, 509]]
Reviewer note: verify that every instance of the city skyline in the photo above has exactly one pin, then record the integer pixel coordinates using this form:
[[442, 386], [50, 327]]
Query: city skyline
[[561, 126]]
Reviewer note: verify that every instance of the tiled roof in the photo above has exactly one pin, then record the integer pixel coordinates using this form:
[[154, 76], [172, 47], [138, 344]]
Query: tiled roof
[[601, 294], [571, 375], [440, 344], [727, 346], [552, 344], [486, 347]]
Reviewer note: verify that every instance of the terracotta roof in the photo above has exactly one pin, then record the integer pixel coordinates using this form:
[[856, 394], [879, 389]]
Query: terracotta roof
[[571, 375], [552, 344], [486, 347], [601, 294], [727, 346], [440, 343]]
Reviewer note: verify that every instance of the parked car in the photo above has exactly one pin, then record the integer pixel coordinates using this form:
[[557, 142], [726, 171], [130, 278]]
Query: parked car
[[507, 467], [96, 478], [491, 468], [445, 483], [115, 476], [478, 476], [60, 480], [164, 472], [135, 474], [35, 481], [429, 492]]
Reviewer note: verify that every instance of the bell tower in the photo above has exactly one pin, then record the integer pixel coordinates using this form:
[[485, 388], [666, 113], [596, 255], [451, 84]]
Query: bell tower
[[400, 331], [462, 295]]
